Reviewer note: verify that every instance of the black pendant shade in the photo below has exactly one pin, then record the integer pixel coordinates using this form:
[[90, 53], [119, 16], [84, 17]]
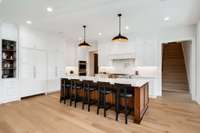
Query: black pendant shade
[[84, 43], [119, 37]]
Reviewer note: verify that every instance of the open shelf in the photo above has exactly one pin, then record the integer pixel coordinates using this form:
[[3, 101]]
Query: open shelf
[[8, 59], [8, 50]]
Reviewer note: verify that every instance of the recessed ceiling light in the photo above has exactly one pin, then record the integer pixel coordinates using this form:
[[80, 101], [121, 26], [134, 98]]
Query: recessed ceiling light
[[127, 27], [166, 18], [49, 9], [99, 33], [29, 22]]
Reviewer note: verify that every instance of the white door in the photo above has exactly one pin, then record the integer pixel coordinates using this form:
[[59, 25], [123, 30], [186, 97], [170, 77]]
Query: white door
[[33, 72]]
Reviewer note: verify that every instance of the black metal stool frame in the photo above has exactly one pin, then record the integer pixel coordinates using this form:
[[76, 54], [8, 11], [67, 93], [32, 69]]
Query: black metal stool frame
[[123, 91], [88, 88]]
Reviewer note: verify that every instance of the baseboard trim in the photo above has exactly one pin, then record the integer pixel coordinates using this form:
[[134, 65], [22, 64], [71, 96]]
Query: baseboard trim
[[53, 92], [26, 97]]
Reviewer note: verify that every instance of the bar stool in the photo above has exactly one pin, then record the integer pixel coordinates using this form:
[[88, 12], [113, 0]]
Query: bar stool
[[62, 87], [104, 89], [88, 88], [76, 87], [124, 91], [64, 92]]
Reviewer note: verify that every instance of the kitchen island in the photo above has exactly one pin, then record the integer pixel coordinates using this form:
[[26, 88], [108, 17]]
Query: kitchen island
[[140, 90]]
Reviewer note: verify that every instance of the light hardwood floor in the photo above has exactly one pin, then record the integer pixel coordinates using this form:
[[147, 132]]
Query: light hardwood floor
[[172, 113]]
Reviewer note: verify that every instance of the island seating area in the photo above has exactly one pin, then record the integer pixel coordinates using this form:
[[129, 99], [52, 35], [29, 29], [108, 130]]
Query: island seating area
[[127, 96]]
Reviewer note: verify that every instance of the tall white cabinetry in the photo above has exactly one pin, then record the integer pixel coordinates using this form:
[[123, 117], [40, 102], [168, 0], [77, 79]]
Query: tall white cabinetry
[[33, 72], [40, 62], [9, 90], [56, 67]]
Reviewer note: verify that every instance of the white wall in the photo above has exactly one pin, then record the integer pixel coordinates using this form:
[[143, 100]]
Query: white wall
[[198, 63], [183, 33], [187, 52]]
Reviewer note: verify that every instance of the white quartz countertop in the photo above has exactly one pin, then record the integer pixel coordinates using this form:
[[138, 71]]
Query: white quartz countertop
[[134, 82]]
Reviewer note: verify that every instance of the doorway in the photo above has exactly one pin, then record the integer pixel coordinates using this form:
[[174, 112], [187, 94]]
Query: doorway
[[93, 63], [175, 63]]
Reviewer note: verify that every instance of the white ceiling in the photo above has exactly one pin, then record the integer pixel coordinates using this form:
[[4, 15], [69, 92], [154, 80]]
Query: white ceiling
[[100, 15]]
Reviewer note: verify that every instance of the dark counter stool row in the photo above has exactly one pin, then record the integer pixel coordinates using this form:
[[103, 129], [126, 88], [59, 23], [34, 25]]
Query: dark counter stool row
[[72, 90]]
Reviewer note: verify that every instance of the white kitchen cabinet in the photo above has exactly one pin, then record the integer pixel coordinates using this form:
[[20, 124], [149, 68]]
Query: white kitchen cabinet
[[9, 87], [9, 90], [2, 92], [33, 72], [56, 67]]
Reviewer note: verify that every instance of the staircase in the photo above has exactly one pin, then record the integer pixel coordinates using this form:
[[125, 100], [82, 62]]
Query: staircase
[[174, 71]]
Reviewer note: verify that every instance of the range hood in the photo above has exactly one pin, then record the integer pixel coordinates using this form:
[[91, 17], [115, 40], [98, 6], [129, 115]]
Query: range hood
[[122, 56]]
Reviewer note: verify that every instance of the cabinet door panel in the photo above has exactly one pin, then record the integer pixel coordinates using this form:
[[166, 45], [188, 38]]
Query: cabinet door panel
[[10, 90], [40, 65], [27, 71], [2, 92], [33, 72], [56, 67], [27, 64], [52, 65]]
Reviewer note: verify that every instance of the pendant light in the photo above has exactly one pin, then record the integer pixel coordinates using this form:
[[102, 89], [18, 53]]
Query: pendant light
[[84, 43], [120, 38]]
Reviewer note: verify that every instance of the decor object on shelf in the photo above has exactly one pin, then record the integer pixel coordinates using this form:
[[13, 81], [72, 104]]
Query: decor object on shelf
[[84, 43], [71, 72], [120, 37]]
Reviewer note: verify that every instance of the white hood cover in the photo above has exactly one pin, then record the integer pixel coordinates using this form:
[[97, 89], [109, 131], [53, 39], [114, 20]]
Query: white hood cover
[[122, 56]]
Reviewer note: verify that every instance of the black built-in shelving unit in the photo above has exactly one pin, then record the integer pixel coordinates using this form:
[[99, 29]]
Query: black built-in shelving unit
[[8, 59]]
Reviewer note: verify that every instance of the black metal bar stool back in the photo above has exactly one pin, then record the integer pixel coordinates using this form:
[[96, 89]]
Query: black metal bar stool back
[[76, 87], [123, 91], [88, 88], [104, 89], [64, 92]]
